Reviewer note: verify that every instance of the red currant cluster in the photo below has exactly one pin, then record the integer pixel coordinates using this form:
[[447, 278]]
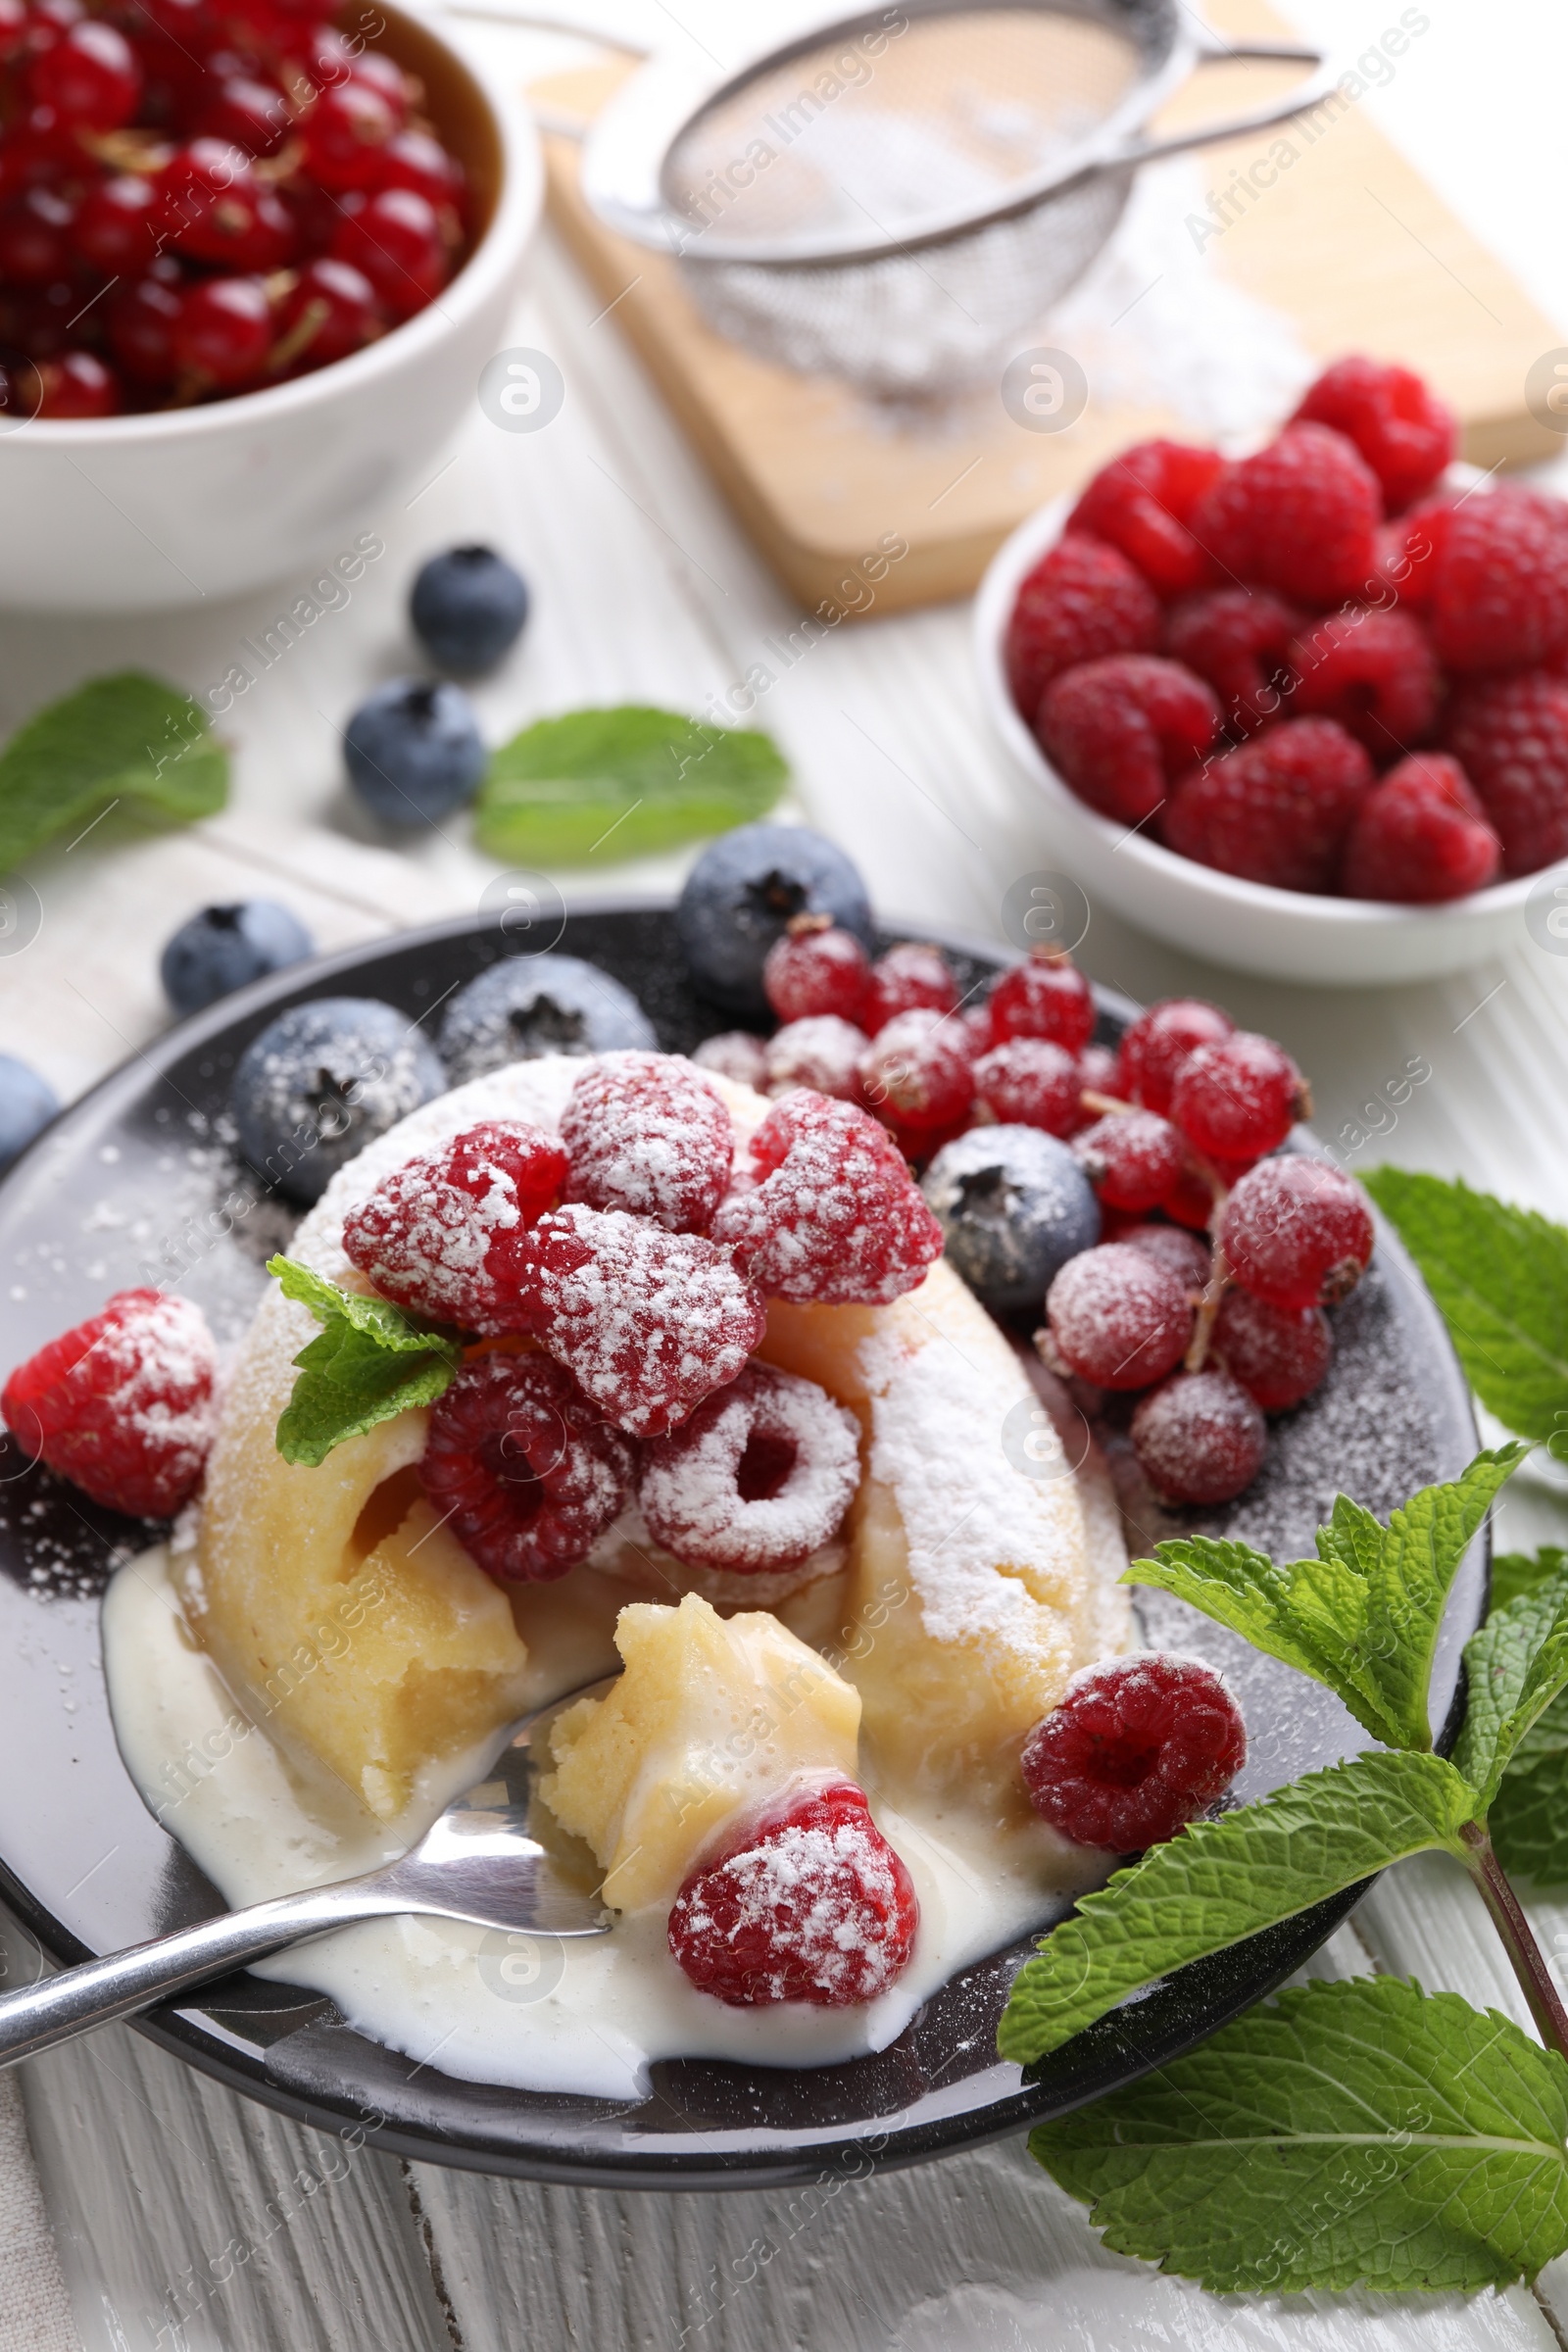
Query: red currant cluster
[[202, 197]]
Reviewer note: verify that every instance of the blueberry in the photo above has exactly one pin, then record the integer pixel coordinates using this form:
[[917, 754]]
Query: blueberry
[[528, 1006], [28, 1104], [743, 891], [323, 1080], [414, 752], [221, 948], [1013, 1205], [468, 608]]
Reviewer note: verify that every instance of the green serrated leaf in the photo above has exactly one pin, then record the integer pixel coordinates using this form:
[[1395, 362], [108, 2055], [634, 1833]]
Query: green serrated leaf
[[369, 1362], [1517, 1665], [1236, 1587], [1516, 1572], [1223, 1879], [623, 783], [1529, 1819], [1501, 1276], [128, 739], [1346, 2134]]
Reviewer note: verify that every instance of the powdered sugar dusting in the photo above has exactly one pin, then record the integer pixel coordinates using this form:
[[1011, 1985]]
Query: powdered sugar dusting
[[690, 1487], [647, 1134], [822, 1052]]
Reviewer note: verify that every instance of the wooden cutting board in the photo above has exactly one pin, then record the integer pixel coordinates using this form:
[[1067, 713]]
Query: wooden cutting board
[[1347, 241]]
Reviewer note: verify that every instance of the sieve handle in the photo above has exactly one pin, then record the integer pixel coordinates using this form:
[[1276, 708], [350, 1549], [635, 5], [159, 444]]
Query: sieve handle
[[1214, 51]]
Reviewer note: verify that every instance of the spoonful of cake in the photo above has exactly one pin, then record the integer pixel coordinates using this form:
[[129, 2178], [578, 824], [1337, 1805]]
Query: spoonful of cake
[[479, 1864]]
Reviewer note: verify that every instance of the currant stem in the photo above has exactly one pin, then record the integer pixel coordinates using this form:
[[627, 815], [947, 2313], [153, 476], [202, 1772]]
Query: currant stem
[[1214, 1290], [1525, 1955]]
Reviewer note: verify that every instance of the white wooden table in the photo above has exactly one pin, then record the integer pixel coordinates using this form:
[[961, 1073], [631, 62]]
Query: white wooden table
[[646, 590]]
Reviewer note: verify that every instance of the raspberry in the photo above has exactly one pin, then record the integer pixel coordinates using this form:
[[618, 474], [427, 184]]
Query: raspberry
[[1200, 1438], [1239, 1099], [1140, 503], [1277, 1356], [1131, 1158], [823, 1053], [648, 1322], [1118, 1317], [1511, 737], [1275, 811], [809, 1903], [527, 1475], [1375, 673], [1420, 836], [423, 1236], [122, 1405], [1299, 516], [1154, 1049], [1406, 552], [1403, 432], [1238, 639], [758, 1478], [1120, 729], [919, 1067], [645, 1133], [1297, 1233], [909, 978], [834, 1216], [1136, 1748], [1082, 599], [1029, 1083], [1047, 997], [1500, 582], [735, 1055], [1181, 1253], [817, 967]]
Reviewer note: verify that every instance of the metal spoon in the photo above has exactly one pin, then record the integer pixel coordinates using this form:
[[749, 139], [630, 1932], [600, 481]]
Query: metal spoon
[[476, 1864]]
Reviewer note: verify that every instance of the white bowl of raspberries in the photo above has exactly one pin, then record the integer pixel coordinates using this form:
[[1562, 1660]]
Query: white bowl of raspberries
[[1303, 711]]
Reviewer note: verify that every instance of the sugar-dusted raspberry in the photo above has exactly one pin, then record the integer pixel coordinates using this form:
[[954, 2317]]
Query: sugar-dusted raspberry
[[1239, 640], [758, 1478], [1500, 582], [1028, 1082], [911, 977], [1277, 810], [1083, 599], [1296, 1233], [1404, 432], [646, 1132], [424, 1236], [1047, 997], [1238, 1099], [1118, 1317], [1299, 516], [1123, 728], [1200, 1438], [648, 1322], [919, 1070], [1132, 1158], [834, 1216], [1278, 1355], [1420, 836], [1510, 735], [1180, 1252], [1141, 501], [823, 1053], [122, 1404], [806, 1903], [1136, 1748], [522, 1469], [736, 1055], [1375, 673], [817, 967], [1154, 1049]]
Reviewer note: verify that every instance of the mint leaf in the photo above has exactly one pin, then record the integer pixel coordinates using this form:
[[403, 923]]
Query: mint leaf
[[1516, 1572], [1501, 1277], [369, 1362], [1363, 1617], [626, 781], [1352, 2135], [1529, 1819], [1517, 1664], [1223, 1879], [128, 739]]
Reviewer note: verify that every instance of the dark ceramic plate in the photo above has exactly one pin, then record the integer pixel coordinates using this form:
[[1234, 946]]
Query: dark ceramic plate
[[123, 1190]]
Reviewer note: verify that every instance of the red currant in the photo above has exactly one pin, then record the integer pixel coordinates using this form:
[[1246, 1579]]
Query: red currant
[[413, 159], [1238, 1099], [396, 239], [1160, 1041], [332, 311], [12, 28], [1118, 1317], [919, 1069], [1200, 1438], [911, 977], [36, 237], [1189, 1201], [250, 115], [345, 131], [115, 228], [78, 384], [1029, 1083], [91, 75], [821, 1052], [1131, 1158], [213, 206], [1187, 1257], [1136, 1749], [1296, 1233], [817, 969], [1279, 1357], [386, 78], [140, 327], [223, 330], [1047, 997]]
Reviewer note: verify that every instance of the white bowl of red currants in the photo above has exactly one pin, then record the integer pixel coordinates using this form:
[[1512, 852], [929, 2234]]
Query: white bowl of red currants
[[252, 262], [1302, 711]]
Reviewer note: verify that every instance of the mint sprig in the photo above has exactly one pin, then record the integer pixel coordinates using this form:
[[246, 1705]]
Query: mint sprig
[[369, 1362], [127, 740], [623, 783], [1517, 1665]]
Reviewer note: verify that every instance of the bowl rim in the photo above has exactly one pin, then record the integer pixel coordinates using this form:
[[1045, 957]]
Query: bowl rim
[[1160, 866], [519, 203]]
